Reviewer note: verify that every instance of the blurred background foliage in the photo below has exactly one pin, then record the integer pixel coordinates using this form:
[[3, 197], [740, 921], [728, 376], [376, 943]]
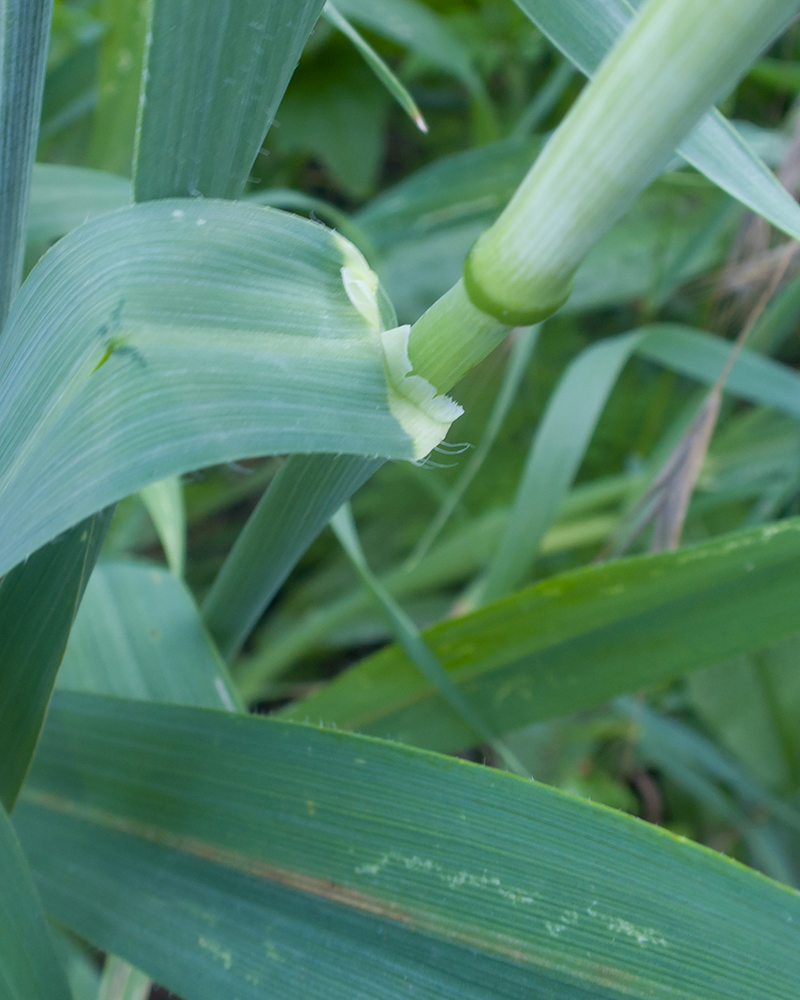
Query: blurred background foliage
[[712, 757]]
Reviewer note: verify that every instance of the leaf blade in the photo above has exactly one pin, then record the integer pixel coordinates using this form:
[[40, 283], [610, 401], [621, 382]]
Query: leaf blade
[[578, 639], [319, 877], [216, 73], [38, 604], [24, 27], [255, 348], [29, 967]]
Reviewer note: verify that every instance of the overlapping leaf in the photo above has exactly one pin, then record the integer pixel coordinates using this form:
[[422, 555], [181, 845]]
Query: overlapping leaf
[[139, 635], [174, 335], [238, 856], [29, 966], [38, 603], [577, 639]]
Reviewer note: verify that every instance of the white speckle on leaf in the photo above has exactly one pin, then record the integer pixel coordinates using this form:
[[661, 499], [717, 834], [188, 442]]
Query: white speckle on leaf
[[220, 954], [178, 213], [452, 879], [642, 935]]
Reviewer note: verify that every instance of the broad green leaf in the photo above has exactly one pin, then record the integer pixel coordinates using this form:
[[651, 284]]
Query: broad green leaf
[[139, 635], [389, 79], [118, 84], [24, 26], [298, 504], [64, 197], [38, 603], [578, 639], [299, 201], [218, 331], [332, 865], [216, 73], [165, 505], [585, 30], [29, 966], [573, 410]]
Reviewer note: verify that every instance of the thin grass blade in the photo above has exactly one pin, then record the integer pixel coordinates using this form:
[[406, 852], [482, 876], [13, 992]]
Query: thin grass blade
[[24, 28], [298, 504], [38, 603], [378, 66], [167, 509]]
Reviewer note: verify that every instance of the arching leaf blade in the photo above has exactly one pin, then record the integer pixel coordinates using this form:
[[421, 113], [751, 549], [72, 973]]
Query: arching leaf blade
[[170, 336]]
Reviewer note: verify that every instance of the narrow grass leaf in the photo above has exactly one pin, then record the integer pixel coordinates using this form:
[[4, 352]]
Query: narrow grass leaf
[[330, 862], [573, 410], [299, 502], [38, 603], [165, 505], [378, 66], [417, 27], [578, 639], [24, 27], [408, 636], [289, 637]]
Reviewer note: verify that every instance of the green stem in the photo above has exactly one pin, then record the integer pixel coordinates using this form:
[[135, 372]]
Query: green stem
[[674, 61], [451, 338]]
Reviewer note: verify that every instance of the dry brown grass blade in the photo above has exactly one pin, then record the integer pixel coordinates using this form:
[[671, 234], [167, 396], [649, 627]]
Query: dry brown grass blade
[[666, 502]]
